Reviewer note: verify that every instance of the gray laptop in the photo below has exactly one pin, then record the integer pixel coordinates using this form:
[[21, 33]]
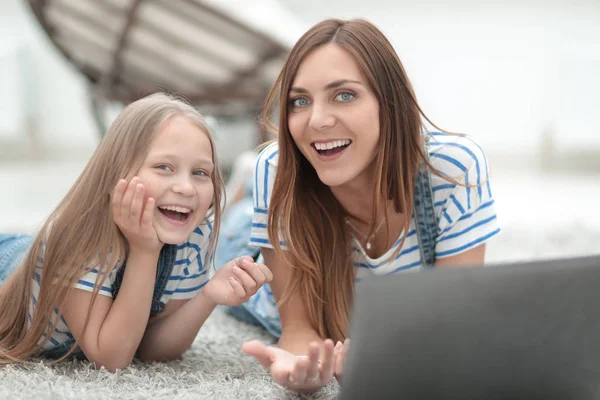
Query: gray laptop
[[519, 331]]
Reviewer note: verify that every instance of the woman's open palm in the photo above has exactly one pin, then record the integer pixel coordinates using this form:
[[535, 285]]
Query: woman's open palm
[[300, 373]]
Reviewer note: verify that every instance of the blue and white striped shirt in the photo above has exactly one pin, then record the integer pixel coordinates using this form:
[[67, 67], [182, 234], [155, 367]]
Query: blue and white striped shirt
[[466, 216], [190, 273]]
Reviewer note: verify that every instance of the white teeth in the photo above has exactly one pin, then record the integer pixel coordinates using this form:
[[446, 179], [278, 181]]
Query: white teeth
[[183, 210], [332, 144]]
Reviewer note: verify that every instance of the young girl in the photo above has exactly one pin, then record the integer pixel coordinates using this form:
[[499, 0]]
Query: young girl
[[121, 267], [355, 186]]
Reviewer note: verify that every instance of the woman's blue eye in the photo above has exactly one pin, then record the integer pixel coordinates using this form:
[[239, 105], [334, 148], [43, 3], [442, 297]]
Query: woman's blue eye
[[299, 102], [345, 97]]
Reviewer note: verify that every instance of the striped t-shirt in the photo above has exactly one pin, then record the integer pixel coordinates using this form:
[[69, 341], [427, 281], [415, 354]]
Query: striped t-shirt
[[189, 275], [466, 216]]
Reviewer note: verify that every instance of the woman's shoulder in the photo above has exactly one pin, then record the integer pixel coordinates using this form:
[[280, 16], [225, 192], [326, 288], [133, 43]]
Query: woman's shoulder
[[455, 154], [268, 156]]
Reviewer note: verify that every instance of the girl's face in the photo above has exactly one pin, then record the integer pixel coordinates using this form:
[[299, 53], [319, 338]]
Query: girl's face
[[177, 174], [333, 116]]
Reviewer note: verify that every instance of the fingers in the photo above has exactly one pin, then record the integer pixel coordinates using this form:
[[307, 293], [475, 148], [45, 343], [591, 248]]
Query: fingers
[[312, 372], [249, 283], [260, 273], [340, 358], [117, 198], [266, 271], [134, 214], [137, 201], [300, 371], [128, 201], [260, 351], [250, 275], [128, 198], [337, 348], [315, 369], [148, 214], [327, 361], [237, 287]]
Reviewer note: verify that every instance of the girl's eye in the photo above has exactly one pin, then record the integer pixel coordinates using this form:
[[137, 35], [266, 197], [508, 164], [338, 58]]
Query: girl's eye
[[345, 97], [299, 102], [164, 167], [200, 172]]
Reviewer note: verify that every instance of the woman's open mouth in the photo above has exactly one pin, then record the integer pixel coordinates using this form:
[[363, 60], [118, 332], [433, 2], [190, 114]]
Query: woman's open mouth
[[331, 148]]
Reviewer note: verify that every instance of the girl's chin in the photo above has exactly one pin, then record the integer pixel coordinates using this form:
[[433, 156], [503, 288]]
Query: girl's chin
[[173, 237]]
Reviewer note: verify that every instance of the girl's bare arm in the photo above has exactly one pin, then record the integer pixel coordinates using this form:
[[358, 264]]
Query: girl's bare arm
[[115, 328], [174, 330]]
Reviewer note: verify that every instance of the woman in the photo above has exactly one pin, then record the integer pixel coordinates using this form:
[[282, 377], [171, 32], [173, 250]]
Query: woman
[[354, 186]]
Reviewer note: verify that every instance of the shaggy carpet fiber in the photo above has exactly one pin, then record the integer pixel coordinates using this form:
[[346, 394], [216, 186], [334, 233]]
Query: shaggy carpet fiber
[[213, 368]]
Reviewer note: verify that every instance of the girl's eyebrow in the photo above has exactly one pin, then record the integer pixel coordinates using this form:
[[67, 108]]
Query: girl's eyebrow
[[329, 86], [170, 156]]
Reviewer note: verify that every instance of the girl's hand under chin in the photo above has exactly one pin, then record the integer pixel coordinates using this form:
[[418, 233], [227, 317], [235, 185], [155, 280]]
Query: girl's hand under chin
[[134, 219], [235, 282]]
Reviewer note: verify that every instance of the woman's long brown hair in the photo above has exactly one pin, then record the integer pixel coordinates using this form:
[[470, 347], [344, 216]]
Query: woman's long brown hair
[[81, 234], [304, 210]]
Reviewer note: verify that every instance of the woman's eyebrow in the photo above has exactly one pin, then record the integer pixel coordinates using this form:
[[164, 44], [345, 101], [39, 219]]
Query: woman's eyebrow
[[332, 85]]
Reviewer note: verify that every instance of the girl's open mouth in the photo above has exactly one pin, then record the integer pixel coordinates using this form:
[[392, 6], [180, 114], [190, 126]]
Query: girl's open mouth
[[176, 214]]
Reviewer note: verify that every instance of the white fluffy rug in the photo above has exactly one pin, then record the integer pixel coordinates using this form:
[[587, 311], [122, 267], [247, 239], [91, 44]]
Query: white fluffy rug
[[213, 368]]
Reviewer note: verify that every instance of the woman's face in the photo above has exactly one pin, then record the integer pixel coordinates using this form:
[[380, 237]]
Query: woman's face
[[333, 116]]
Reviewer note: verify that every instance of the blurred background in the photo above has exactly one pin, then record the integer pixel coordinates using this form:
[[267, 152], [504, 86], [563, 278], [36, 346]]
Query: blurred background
[[520, 77]]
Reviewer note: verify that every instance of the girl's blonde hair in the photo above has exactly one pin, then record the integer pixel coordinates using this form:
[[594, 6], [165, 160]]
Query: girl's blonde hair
[[318, 239], [80, 233]]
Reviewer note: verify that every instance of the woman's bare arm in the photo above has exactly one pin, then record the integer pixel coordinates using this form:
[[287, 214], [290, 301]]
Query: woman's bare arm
[[470, 258]]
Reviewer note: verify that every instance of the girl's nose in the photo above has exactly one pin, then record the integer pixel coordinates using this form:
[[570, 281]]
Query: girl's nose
[[184, 187]]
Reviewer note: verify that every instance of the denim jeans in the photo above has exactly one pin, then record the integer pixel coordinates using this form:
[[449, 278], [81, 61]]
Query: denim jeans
[[13, 249]]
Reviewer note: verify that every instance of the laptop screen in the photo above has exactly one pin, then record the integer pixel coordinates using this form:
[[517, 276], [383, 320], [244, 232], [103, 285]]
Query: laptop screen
[[517, 331]]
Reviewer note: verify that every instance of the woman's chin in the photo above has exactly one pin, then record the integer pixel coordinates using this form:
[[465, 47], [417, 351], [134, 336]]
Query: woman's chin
[[334, 178]]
